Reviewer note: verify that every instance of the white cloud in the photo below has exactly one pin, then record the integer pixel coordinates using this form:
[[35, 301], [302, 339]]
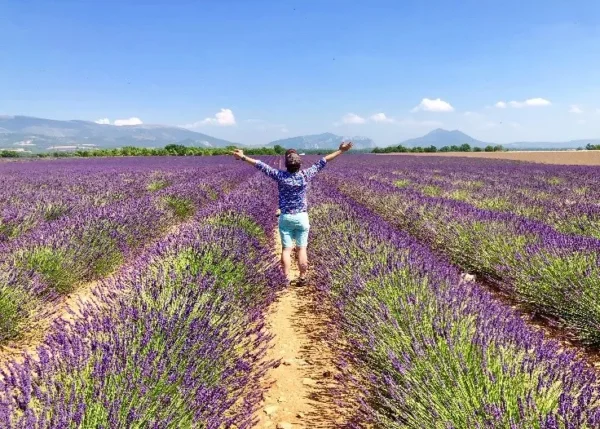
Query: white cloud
[[575, 109], [352, 118], [223, 118], [531, 102], [535, 102], [381, 118], [130, 121], [581, 121], [437, 105], [103, 121], [285, 130]]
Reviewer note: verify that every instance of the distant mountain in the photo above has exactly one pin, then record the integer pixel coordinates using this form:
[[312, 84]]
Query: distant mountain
[[441, 137], [322, 141], [39, 134], [571, 144]]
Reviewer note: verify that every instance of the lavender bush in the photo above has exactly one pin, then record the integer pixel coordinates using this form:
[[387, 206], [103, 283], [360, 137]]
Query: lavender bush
[[554, 274], [176, 340], [97, 234], [424, 349]]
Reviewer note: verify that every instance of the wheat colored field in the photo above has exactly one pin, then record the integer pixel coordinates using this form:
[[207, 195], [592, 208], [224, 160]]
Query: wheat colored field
[[582, 157]]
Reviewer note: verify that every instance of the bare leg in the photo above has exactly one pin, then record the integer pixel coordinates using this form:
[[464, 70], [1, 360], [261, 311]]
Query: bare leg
[[286, 261], [302, 261]]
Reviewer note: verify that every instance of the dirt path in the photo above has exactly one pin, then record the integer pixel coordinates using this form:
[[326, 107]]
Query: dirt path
[[298, 390]]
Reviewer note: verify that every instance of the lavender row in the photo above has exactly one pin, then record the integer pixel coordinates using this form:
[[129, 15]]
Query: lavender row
[[426, 349], [175, 341], [39, 193], [565, 198], [553, 274], [56, 258]]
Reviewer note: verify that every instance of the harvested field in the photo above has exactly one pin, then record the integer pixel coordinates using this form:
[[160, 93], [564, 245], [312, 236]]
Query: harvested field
[[583, 157]]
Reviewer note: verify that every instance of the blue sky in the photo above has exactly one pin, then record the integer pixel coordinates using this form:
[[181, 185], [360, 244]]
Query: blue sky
[[389, 70]]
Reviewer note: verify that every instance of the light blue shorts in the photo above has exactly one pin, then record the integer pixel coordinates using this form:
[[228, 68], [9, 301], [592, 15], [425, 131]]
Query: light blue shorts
[[294, 227]]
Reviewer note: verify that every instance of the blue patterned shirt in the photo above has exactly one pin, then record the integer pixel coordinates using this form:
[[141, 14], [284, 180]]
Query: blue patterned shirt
[[292, 187]]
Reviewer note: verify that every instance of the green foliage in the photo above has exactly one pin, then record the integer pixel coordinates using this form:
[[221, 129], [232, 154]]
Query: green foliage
[[430, 149], [8, 230], [212, 261], [566, 287], [460, 195], [427, 331], [94, 254], [491, 148], [15, 304], [563, 285], [103, 258], [391, 149], [494, 203], [556, 180], [174, 150], [212, 194], [234, 219], [432, 190], [169, 150], [170, 290], [8, 154], [54, 266], [590, 146], [182, 208], [157, 185], [582, 225], [55, 211], [402, 183]]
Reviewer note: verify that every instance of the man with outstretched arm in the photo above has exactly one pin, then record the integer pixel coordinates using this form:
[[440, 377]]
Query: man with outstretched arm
[[293, 184]]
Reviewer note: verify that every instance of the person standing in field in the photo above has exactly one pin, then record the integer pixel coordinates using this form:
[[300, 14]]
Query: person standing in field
[[293, 220]]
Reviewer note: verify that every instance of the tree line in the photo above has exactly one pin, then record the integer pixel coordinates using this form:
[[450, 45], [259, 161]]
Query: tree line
[[432, 149], [181, 150], [169, 150]]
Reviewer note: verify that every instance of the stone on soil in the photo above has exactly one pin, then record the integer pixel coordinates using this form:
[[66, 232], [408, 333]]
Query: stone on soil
[[309, 382], [271, 409]]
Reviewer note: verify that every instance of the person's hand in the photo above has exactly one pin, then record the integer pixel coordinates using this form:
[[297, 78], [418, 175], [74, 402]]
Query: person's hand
[[238, 153], [345, 146]]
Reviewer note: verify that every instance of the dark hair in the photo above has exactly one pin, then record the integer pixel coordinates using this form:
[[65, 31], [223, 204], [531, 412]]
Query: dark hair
[[293, 162]]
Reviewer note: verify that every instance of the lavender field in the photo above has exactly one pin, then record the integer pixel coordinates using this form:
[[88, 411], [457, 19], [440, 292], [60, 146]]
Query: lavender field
[[459, 293]]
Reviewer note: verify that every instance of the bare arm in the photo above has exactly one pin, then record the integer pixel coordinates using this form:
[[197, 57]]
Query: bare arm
[[267, 169], [239, 154], [344, 147]]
